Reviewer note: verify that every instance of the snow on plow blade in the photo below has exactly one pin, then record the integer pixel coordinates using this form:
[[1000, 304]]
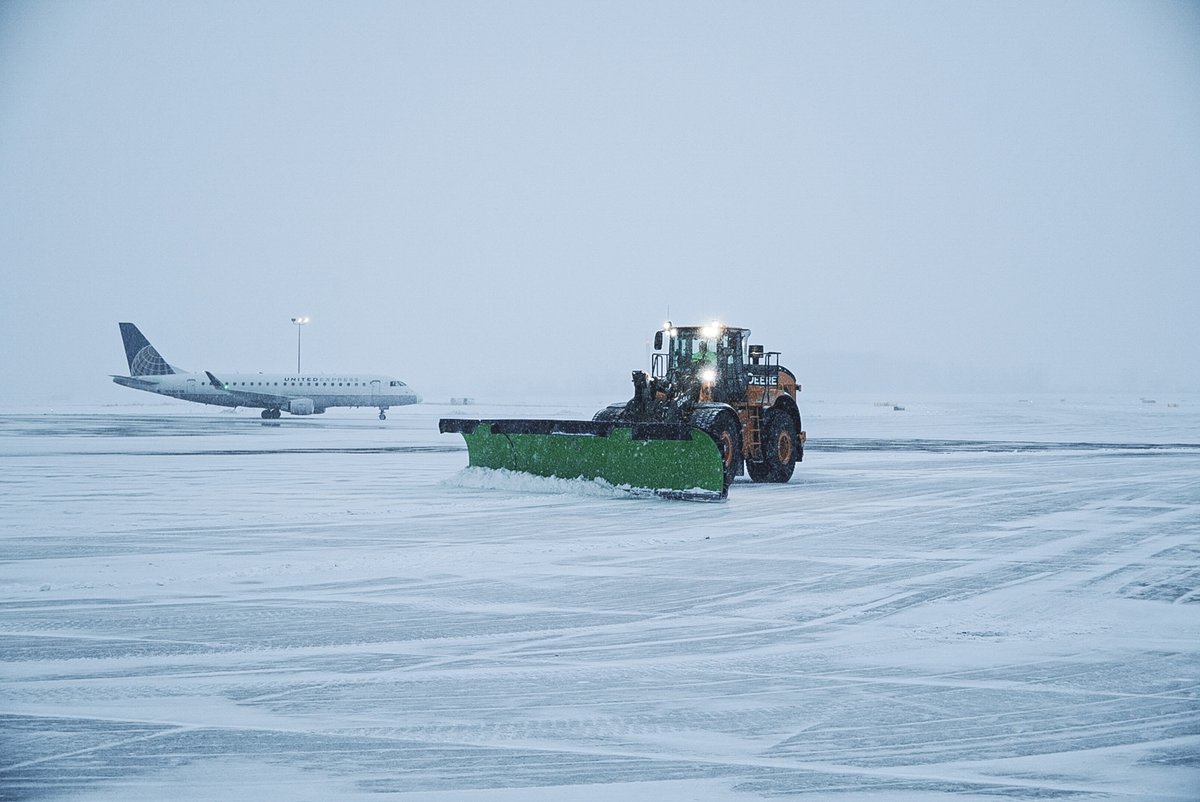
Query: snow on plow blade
[[668, 459]]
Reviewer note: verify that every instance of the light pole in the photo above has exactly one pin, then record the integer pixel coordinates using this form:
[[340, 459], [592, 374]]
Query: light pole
[[299, 321]]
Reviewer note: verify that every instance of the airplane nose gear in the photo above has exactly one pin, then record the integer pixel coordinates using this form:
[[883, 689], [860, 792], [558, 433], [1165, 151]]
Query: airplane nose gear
[[382, 416]]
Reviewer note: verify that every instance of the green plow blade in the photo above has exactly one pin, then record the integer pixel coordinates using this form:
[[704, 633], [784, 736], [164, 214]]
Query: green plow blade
[[666, 459]]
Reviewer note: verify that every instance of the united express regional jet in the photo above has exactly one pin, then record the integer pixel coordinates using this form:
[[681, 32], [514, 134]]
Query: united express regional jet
[[273, 393]]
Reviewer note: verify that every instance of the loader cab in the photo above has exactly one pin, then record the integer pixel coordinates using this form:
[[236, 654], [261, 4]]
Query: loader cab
[[711, 355]]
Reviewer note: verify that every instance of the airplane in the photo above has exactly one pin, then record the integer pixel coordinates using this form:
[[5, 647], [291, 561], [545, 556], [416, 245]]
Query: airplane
[[275, 393]]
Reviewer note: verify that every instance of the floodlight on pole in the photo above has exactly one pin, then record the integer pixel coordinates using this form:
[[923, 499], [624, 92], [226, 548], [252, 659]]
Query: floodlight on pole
[[299, 321]]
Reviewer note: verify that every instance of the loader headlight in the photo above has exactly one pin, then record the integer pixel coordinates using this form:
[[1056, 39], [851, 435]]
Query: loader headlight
[[708, 375], [711, 331]]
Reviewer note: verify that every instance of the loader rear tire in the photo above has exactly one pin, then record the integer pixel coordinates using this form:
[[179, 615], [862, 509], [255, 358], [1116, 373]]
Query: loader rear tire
[[780, 446]]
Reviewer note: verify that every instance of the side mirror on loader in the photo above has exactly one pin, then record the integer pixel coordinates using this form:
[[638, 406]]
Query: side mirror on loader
[[658, 340]]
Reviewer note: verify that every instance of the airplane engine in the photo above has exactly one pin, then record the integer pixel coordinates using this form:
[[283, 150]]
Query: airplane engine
[[301, 406]]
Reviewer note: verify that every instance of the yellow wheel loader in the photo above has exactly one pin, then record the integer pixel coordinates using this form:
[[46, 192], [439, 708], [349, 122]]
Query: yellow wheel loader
[[711, 404]]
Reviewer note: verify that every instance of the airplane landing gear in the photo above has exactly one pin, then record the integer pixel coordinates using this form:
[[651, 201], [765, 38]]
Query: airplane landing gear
[[271, 414], [382, 416]]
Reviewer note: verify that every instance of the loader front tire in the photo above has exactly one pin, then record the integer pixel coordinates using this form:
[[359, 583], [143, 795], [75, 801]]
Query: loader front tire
[[726, 432], [780, 445]]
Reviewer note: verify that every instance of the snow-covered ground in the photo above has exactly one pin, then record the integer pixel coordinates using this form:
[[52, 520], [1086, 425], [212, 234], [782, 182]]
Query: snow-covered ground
[[967, 598]]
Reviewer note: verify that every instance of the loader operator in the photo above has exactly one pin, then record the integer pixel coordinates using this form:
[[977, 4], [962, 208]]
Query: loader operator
[[703, 357]]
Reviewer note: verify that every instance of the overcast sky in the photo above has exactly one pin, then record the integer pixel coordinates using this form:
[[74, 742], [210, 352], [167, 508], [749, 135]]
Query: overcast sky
[[507, 198]]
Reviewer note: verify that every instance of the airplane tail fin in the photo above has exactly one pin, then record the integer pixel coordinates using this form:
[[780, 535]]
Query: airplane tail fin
[[143, 359]]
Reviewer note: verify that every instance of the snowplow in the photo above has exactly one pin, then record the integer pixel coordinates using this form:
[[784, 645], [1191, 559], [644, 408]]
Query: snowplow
[[711, 408]]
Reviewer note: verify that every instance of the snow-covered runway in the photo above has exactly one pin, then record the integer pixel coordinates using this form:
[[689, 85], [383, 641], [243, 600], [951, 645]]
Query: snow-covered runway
[[969, 598]]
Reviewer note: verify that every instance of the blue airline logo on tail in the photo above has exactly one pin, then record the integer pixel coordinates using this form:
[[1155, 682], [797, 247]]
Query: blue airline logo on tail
[[143, 359]]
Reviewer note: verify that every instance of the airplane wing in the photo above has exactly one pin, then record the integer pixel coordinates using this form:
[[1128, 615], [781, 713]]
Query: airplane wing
[[248, 398]]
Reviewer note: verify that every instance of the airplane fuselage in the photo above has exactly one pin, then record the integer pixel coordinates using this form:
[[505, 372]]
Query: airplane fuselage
[[298, 394]]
